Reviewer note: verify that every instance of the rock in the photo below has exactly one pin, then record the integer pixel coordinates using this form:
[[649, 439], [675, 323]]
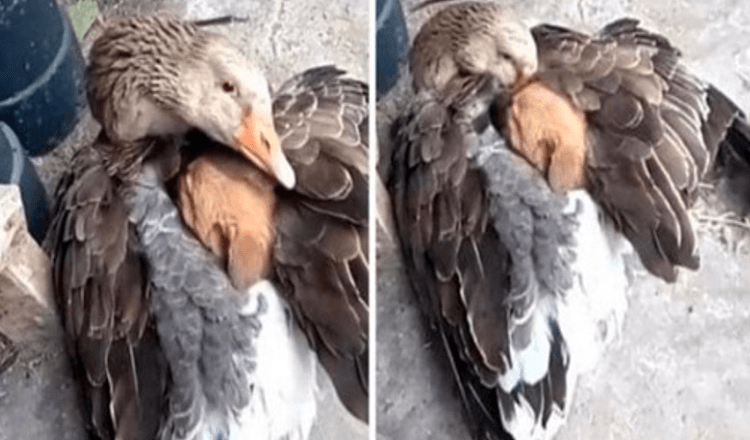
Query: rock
[[25, 278], [38, 394]]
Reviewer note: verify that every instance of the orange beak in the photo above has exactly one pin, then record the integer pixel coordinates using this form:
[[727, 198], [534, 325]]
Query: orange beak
[[259, 143]]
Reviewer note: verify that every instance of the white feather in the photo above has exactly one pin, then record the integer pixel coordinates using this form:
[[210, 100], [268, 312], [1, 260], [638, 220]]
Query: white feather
[[530, 364], [282, 402], [590, 316], [592, 312]]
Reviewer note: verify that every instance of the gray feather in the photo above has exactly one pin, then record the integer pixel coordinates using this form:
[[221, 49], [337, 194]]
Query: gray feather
[[207, 343]]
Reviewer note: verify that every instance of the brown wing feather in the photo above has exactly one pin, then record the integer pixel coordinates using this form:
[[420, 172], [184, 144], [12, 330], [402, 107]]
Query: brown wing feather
[[457, 262], [102, 294], [321, 248], [646, 114]]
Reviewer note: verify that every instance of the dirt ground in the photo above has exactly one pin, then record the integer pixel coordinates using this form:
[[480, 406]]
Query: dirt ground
[[681, 366]]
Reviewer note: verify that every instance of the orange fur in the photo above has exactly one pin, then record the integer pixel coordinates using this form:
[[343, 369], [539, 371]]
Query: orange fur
[[230, 206], [546, 129]]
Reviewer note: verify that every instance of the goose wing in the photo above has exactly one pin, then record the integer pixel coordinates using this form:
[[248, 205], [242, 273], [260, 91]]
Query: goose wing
[[653, 127], [484, 240], [320, 256], [101, 289]]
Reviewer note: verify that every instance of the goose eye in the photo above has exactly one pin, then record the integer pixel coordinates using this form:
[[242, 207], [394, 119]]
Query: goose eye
[[228, 87], [505, 56]]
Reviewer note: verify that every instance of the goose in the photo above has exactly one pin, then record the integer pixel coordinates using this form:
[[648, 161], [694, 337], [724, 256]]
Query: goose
[[524, 164], [172, 339]]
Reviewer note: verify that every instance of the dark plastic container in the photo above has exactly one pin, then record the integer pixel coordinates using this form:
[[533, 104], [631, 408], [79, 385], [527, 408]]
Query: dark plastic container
[[392, 43], [16, 168], [41, 73]]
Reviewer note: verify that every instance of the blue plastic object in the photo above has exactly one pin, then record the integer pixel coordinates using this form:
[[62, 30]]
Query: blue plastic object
[[41, 73], [16, 168], [392, 43]]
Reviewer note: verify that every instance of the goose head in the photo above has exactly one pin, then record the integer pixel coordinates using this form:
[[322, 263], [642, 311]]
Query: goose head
[[472, 39], [157, 76]]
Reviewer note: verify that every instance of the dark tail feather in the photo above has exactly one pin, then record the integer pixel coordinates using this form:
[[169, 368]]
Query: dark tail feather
[[546, 399], [480, 403], [733, 165], [138, 386], [349, 377], [727, 135]]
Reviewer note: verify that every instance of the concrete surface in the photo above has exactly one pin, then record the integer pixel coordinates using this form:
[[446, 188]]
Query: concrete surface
[[681, 366], [282, 37]]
